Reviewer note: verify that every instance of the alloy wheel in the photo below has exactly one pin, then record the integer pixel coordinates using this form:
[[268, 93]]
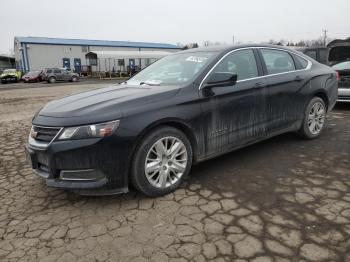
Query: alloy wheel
[[316, 118], [166, 162]]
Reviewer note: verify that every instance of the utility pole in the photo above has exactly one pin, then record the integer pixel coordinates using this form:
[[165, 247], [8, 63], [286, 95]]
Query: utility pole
[[325, 37], [233, 39]]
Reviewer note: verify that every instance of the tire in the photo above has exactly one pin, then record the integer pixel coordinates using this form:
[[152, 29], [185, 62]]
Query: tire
[[52, 80], [174, 168], [3, 82], [74, 79], [314, 119]]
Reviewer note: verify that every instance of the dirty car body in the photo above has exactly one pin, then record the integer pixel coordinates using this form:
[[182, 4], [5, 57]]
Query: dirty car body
[[53, 75], [268, 99]]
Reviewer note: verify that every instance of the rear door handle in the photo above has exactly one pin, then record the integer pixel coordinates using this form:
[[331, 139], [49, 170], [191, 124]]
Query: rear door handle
[[299, 78]]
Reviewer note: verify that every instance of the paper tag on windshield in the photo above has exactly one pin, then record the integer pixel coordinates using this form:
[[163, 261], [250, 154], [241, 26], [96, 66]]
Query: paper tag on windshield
[[196, 59]]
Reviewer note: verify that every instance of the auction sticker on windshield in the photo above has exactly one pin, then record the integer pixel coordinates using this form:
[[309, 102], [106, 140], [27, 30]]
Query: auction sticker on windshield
[[197, 59]]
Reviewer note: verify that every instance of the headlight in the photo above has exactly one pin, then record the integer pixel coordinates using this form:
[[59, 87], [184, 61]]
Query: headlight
[[90, 131]]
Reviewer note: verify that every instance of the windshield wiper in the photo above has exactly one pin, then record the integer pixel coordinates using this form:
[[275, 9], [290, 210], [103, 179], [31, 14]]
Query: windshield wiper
[[149, 84]]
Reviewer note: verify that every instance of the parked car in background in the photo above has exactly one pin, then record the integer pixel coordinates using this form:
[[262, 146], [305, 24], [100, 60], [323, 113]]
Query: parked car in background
[[52, 75], [10, 75], [320, 54], [343, 69], [185, 108], [339, 51], [33, 76], [336, 51]]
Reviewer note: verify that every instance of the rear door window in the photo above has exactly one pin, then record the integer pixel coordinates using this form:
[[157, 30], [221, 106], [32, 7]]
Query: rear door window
[[57, 71], [277, 61]]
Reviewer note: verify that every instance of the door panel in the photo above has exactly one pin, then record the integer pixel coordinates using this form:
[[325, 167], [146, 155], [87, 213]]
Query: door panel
[[58, 74], [284, 83], [283, 101], [66, 76], [234, 115], [77, 65], [66, 63]]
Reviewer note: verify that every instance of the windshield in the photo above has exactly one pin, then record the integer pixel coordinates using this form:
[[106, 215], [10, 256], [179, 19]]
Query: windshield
[[173, 69], [342, 66], [9, 71]]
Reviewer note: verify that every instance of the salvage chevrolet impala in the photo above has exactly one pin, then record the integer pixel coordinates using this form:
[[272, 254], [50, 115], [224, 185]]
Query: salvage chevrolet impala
[[183, 109]]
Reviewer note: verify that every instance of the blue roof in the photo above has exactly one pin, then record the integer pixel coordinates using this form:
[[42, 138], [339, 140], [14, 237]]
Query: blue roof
[[65, 41]]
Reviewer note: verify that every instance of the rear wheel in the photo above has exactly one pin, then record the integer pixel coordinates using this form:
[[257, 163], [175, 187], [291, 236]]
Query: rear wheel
[[74, 79], [52, 80], [314, 119], [161, 162]]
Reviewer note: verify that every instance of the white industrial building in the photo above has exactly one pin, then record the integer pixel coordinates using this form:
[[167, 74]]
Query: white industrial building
[[37, 53]]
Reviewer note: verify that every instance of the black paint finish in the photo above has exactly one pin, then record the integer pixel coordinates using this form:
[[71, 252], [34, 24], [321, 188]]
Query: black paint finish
[[216, 121]]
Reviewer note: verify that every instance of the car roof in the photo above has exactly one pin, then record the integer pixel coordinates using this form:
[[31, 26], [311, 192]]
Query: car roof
[[225, 48]]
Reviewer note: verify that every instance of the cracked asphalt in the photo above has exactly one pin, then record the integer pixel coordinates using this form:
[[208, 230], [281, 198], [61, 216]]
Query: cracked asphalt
[[284, 199]]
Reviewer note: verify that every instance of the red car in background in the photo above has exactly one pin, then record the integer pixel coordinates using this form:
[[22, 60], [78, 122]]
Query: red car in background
[[33, 76]]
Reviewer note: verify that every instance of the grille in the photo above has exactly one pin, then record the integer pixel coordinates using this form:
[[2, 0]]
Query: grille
[[45, 134]]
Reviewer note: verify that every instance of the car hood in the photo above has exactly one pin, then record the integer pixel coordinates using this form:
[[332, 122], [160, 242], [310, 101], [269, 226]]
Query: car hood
[[99, 105], [8, 74], [31, 76]]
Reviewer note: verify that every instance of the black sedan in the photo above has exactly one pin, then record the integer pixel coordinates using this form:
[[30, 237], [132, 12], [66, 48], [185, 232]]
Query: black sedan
[[183, 109]]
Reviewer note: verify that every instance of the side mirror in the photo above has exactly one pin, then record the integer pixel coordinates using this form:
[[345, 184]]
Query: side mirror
[[221, 79]]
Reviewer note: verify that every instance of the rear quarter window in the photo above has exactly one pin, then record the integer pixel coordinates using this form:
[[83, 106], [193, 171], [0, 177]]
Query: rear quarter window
[[300, 62], [49, 71]]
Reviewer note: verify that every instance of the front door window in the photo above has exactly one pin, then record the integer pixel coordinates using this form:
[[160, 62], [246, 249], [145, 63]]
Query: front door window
[[240, 62]]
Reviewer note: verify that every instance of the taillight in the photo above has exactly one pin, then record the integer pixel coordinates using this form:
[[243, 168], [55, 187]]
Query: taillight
[[337, 75]]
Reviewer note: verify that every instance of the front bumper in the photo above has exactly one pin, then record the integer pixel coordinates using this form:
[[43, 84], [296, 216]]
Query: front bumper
[[343, 95], [29, 79], [88, 166], [9, 79]]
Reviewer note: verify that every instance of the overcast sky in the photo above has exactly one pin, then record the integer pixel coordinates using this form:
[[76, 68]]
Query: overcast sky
[[181, 21]]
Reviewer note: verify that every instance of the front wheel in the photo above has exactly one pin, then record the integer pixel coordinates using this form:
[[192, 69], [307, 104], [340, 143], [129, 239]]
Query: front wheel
[[161, 162], [314, 119]]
